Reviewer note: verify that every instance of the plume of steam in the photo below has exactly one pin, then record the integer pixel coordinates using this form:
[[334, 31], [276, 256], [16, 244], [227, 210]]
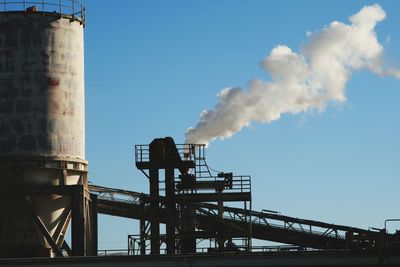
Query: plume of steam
[[299, 81]]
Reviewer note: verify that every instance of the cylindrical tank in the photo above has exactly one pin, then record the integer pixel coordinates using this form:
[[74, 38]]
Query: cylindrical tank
[[42, 132]]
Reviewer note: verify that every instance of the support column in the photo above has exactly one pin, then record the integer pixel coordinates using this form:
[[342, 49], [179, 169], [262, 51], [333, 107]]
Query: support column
[[78, 221], [143, 237], [171, 209], [154, 207], [92, 236], [221, 230], [188, 242]]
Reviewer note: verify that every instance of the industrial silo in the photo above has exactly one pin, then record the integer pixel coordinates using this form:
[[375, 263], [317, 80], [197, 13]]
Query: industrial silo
[[42, 130]]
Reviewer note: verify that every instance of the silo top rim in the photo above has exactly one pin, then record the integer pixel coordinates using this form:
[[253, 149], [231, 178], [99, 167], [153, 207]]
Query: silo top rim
[[66, 8]]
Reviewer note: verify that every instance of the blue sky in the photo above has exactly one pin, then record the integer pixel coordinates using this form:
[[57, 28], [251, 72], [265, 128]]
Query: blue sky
[[152, 66]]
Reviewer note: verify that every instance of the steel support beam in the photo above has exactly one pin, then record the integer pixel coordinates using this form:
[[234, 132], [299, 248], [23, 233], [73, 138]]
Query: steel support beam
[[188, 234], [78, 222], [92, 228], [66, 247], [45, 232], [154, 206], [171, 209]]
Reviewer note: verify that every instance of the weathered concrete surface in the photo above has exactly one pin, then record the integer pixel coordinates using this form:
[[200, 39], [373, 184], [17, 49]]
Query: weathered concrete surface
[[41, 86], [41, 115]]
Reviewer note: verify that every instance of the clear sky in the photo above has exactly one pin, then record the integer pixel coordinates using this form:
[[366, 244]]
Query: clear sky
[[153, 66]]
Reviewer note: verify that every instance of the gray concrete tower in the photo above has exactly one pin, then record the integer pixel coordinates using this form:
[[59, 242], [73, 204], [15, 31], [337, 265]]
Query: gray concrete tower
[[42, 129]]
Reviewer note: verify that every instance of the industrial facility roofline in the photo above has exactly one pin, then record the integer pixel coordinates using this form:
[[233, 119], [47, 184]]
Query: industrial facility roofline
[[71, 9]]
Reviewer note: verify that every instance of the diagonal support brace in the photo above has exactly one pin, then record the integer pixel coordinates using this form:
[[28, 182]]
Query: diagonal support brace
[[45, 232]]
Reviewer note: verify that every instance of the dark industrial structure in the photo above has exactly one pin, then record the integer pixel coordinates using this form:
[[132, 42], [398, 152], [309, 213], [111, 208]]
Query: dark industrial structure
[[191, 215], [184, 192], [194, 209]]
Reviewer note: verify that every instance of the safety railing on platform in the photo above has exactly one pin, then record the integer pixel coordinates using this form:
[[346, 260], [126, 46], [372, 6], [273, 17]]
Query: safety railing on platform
[[201, 172], [192, 152], [135, 248], [214, 184], [74, 9], [135, 244]]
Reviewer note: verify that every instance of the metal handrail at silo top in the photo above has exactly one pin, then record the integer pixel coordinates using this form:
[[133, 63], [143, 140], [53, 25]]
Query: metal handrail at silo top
[[70, 8]]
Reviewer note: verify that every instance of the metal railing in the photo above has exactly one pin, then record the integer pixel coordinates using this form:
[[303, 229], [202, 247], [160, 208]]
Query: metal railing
[[283, 222], [71, 8], [134, 248], [185, 151], [201, 171], [236, 183], [116, 195]]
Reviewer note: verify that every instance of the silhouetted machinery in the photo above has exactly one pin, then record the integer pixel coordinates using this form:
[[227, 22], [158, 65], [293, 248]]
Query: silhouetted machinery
[[194, 184], [190, 202], [43, 172]]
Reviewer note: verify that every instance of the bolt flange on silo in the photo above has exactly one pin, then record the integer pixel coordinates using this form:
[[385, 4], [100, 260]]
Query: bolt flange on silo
[[43, 172]]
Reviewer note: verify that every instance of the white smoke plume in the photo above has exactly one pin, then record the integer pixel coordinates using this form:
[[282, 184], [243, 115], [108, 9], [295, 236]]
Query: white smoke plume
[[301, 81]]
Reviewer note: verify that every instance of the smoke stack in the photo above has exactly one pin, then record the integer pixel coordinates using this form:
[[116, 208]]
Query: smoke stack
[[301, 81]]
